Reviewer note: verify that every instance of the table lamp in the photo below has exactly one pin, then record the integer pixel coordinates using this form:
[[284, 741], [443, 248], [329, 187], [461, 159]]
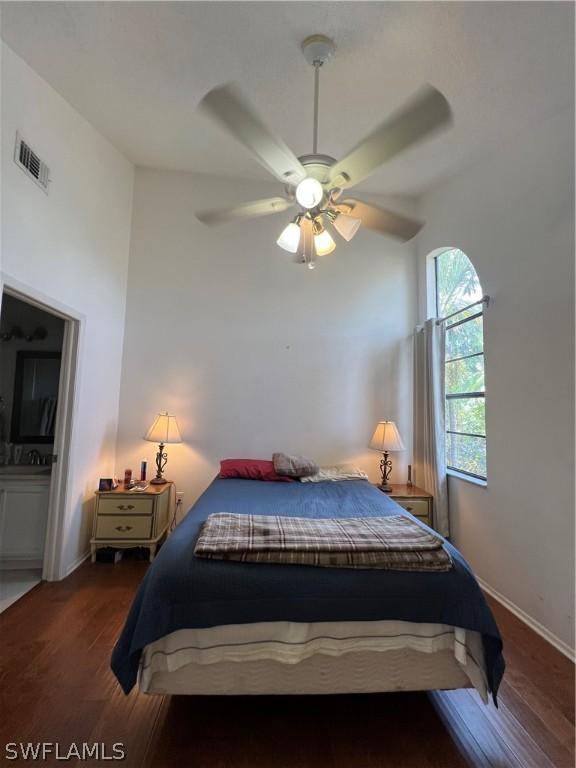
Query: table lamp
[[163, 430], [386, 438]]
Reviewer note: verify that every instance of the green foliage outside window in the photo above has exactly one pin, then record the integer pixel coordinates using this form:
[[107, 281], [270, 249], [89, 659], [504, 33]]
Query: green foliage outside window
[[467, 454], [457, 283], [465, 375], [466, 338], [457, 286]]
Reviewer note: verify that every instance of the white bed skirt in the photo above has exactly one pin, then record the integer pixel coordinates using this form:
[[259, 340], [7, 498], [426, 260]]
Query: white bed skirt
[[318, 658]]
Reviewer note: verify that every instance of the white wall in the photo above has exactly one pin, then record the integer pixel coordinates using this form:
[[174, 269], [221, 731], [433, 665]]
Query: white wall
[[252, 352], [72, 246], [512, 213]]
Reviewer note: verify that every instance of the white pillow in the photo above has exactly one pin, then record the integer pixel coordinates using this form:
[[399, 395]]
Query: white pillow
[[340, 472]]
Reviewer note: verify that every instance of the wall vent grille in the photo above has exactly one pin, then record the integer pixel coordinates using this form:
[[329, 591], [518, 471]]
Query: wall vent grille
[[31, 164]]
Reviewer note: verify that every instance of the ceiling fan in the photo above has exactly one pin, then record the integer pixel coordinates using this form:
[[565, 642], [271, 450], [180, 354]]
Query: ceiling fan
[[316, 182]]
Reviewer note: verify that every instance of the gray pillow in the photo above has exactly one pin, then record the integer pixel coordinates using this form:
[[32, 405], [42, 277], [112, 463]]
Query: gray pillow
[[294, 466]]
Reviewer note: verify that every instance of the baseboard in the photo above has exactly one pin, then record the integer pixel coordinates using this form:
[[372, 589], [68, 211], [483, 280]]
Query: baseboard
[[79, 560], [540, 629]]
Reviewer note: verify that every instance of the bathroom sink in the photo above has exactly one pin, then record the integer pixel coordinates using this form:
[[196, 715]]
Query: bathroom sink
[[25, 469]]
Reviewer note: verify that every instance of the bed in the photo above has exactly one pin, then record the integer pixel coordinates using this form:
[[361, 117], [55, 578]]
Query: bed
[[212, 627]]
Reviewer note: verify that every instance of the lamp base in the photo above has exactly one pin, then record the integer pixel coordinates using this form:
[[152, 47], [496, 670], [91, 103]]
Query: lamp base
[[158, 481], [385, 470]]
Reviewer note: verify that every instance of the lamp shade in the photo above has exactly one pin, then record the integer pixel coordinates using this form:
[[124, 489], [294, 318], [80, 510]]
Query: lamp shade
[[323, 243], [290, 238], [386, 437], [164, 430], [346, 226]]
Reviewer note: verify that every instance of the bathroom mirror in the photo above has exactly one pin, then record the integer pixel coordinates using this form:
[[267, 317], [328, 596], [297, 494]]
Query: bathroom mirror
[[36, 382]]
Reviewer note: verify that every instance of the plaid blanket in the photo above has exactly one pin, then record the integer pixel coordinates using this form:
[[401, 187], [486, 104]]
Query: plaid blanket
[[395, 542]]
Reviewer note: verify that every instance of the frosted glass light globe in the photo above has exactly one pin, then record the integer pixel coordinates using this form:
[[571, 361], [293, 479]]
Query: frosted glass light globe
[[309, 193], [346, 225], [290, 238], [323, 243]]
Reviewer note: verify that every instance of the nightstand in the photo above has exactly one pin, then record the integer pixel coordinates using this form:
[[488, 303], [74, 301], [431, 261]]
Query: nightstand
[[414, 499], [126, 519]]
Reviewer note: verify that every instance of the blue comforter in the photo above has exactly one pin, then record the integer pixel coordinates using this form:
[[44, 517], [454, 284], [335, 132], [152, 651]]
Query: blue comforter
[[181, 591]]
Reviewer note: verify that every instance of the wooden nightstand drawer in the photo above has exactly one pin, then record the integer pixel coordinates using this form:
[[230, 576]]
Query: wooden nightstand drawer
[[123, 527], [120, 505], [418, 507], [125, 519], [415, 500]]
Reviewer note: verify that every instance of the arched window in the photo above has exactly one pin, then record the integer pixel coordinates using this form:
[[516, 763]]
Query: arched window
[[457, 286]]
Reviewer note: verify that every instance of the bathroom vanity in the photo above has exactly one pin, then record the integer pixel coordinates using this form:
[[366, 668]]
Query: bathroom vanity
[[24, 495]]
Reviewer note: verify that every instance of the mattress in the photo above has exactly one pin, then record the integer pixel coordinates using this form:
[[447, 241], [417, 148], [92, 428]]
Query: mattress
[[322, 657], [181, 592]]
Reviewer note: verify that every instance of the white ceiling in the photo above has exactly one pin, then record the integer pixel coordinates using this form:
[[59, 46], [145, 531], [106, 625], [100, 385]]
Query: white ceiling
[[136, 71]]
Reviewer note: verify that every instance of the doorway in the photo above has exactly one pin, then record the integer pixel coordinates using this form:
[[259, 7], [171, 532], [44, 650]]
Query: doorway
[[38, 345]]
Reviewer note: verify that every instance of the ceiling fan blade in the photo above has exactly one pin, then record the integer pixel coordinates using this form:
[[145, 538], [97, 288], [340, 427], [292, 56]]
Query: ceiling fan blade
[[245, 211], [381, 220], [426, 113], [229, 109]]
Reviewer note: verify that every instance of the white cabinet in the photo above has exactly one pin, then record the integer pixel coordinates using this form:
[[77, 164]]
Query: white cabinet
[[23, 520]]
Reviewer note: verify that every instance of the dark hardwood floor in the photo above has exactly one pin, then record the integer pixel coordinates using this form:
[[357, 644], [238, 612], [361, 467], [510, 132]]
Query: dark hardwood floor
[[56, 686]]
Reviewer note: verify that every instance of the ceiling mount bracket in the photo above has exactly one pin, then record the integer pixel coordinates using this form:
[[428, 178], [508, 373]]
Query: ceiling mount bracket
[[317, 49]]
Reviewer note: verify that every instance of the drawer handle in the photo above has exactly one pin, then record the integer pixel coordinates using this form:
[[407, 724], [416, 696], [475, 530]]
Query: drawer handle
[[409, 509], [125, 506], [123, 528]]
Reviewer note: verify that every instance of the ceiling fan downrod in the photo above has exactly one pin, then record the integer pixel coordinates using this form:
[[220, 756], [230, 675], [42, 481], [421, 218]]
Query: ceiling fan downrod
[[317, 49], [317, 65]]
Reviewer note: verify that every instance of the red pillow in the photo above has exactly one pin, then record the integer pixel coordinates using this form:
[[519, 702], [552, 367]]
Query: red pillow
[[251, 469]]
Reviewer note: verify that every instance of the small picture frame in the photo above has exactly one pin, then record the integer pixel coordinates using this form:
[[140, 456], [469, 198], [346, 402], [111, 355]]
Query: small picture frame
[[106, 484]]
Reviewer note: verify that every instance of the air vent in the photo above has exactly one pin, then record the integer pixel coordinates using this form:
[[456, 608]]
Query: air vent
[[31, 164]]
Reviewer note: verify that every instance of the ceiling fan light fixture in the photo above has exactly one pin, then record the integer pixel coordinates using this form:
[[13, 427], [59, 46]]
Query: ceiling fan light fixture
[[309, 193], [323, 242], [289, 238], [346, 225]]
